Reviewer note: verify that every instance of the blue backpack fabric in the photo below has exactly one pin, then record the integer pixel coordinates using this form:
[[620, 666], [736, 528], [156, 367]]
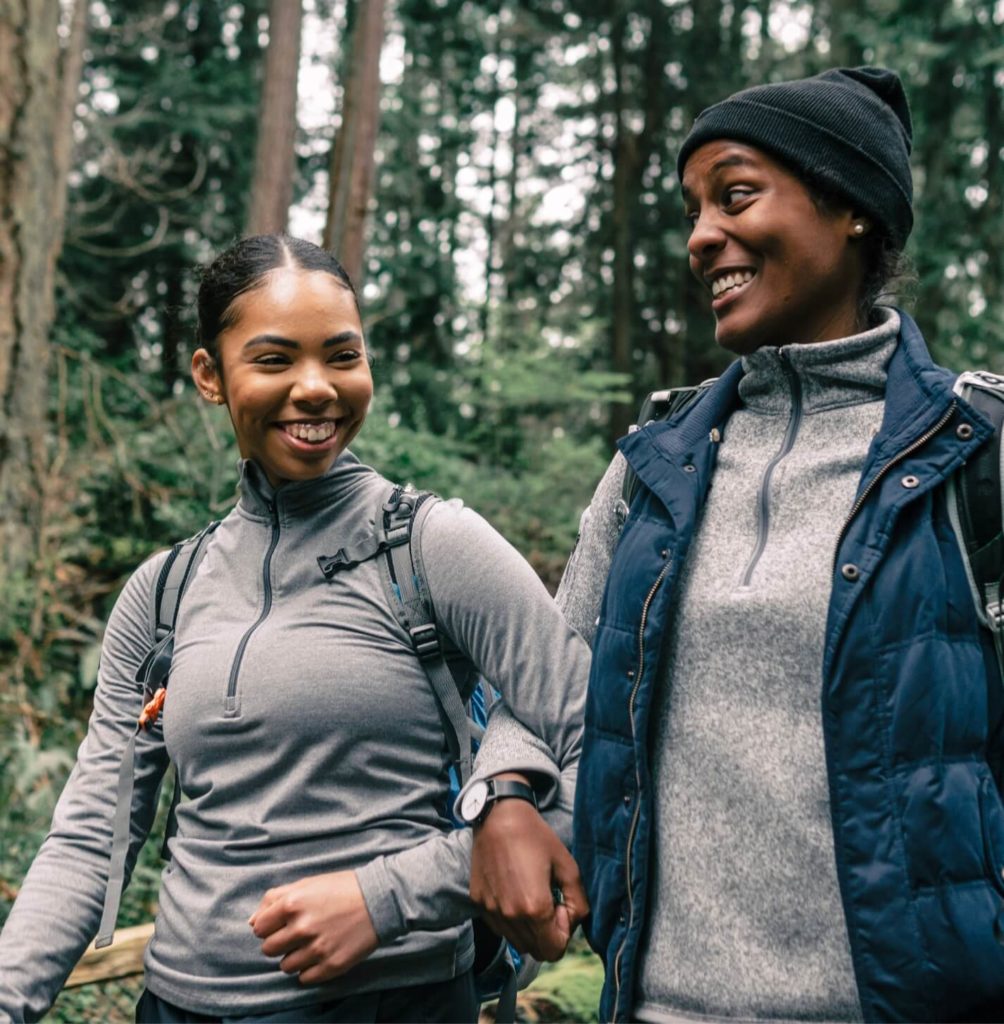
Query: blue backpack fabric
[[465, 699], [910, 704]]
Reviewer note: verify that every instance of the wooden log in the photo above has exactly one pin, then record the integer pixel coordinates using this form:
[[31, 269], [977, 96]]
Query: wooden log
[[122, 959]]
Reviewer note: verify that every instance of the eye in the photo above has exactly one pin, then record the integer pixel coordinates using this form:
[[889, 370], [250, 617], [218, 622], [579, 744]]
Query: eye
[[733, 195], [272, 359], [346, 355]]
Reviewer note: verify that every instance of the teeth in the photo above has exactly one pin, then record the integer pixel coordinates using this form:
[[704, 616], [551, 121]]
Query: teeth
[[728, 281], [312, 432]]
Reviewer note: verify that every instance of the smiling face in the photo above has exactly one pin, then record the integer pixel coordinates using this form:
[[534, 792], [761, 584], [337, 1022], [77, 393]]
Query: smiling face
[[293, 373], [780, 268]]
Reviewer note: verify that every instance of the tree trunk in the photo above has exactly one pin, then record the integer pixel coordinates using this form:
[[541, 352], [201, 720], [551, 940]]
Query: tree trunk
[[352, 156], [272, 188], [626, 159], [38, 87], [847, 18]]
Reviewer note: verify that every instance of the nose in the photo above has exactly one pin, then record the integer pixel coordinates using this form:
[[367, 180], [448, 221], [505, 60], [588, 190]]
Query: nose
[[313, 386], [706, 238]]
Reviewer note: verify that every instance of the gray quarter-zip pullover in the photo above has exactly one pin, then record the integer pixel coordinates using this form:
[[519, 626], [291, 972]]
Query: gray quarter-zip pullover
[[308, 740]]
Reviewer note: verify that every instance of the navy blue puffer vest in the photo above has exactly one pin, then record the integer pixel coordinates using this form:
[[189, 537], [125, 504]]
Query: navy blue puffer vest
[[910, 700]]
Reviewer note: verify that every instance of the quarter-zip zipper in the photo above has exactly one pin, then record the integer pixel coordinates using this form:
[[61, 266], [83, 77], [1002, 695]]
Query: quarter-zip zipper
[[790, 434], [230, 704], [637, 804], [895, 460]]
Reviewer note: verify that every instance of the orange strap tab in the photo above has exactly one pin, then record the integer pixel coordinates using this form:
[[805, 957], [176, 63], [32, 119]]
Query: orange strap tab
[[152, 711]]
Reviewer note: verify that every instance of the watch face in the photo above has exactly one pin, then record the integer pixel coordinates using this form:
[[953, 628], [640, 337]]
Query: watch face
[[474, 801]]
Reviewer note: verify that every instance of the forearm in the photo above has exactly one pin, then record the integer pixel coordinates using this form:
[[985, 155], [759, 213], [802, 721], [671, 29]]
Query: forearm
[[509, 746]]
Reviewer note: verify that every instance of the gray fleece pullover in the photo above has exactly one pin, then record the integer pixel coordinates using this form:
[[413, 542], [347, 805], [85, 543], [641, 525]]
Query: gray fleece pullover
[[744, 919], [308, 740]]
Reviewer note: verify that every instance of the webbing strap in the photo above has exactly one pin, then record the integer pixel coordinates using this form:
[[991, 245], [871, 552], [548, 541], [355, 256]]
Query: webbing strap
[[182, 563], [976, 507], [505, 1011], [153, 672], [120, 845], [425, 639], [171, 827]]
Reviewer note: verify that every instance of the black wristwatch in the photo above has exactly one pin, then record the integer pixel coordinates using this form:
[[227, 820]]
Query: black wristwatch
[[483, 793]]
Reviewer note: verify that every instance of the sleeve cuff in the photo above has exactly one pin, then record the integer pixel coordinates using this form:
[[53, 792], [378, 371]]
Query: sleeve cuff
[[508, 746], [374, 881]]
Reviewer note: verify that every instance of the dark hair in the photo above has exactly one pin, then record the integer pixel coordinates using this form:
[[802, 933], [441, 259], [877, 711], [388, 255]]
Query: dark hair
[[244, 267], [887, 268]]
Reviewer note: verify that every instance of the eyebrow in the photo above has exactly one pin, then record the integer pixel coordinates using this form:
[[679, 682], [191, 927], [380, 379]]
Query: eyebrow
[[275, 339], [732, 160]]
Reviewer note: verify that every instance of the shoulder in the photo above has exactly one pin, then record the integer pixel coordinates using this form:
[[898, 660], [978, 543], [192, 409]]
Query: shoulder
[[450, 526], [459, 548]]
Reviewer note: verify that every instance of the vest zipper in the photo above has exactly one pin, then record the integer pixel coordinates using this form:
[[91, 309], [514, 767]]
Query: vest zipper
[[895, 460], [790, 434], [230, 704], [637, 803]]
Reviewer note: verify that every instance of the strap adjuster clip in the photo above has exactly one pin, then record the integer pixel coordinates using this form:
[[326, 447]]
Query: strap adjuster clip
[[425, 640], [995, 616]]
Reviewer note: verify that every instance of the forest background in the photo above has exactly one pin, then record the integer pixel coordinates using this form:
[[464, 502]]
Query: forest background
[[499, 177]]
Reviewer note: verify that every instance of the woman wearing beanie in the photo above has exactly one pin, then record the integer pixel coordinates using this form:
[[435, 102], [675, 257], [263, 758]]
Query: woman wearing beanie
[[784, 808]]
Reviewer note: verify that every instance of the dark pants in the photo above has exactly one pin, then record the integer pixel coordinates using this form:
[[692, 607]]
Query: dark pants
[[442, 1002]]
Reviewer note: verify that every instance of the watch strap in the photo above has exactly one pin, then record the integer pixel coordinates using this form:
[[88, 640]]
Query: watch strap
[[507, 789]]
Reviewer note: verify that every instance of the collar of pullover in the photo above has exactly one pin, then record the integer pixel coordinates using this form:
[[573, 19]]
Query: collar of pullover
[[847, 371], [299, 497]]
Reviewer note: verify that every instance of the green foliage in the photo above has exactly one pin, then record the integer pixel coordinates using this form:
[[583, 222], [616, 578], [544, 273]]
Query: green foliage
[[568, 990], [526, 213]]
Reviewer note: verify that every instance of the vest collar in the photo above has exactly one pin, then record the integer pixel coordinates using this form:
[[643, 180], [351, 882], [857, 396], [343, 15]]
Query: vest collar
[[918, 394]]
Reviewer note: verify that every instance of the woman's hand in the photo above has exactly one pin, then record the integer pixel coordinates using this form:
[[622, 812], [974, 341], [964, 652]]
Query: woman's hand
[[319, 926], [516, 865]]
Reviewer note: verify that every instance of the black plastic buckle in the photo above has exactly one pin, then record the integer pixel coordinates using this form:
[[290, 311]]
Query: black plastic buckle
[[331, 564], [425, 640]]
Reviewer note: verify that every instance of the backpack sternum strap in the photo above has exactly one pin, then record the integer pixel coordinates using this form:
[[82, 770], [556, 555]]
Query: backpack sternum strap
[[397, 514]]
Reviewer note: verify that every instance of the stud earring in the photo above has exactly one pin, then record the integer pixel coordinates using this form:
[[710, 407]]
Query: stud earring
[[859, 228]]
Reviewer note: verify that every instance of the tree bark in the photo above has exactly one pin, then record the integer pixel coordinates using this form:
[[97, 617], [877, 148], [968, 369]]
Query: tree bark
[[38, 87], [626, 163], [272, 187], [352, 156]]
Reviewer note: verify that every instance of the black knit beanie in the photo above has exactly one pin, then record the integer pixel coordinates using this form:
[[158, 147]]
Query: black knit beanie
[[848, 129]]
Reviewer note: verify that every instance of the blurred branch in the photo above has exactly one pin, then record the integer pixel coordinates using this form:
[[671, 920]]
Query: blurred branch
[[154, 242]]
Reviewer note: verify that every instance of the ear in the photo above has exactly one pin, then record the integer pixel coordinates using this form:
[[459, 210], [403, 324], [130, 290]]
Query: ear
[[207, 377]]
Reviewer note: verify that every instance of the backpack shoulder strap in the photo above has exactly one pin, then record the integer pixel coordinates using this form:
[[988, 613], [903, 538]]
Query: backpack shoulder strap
[[175, 575], [976, 506], [658, 406], [404, 516]]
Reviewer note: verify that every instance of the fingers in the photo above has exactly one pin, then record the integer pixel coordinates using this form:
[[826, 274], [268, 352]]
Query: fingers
[[541, 931], [285, 940], [569, 880], [268, 919]]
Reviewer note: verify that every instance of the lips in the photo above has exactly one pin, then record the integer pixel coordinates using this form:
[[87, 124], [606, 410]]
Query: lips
[[310, 435], [724, 283], [311, 430]]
